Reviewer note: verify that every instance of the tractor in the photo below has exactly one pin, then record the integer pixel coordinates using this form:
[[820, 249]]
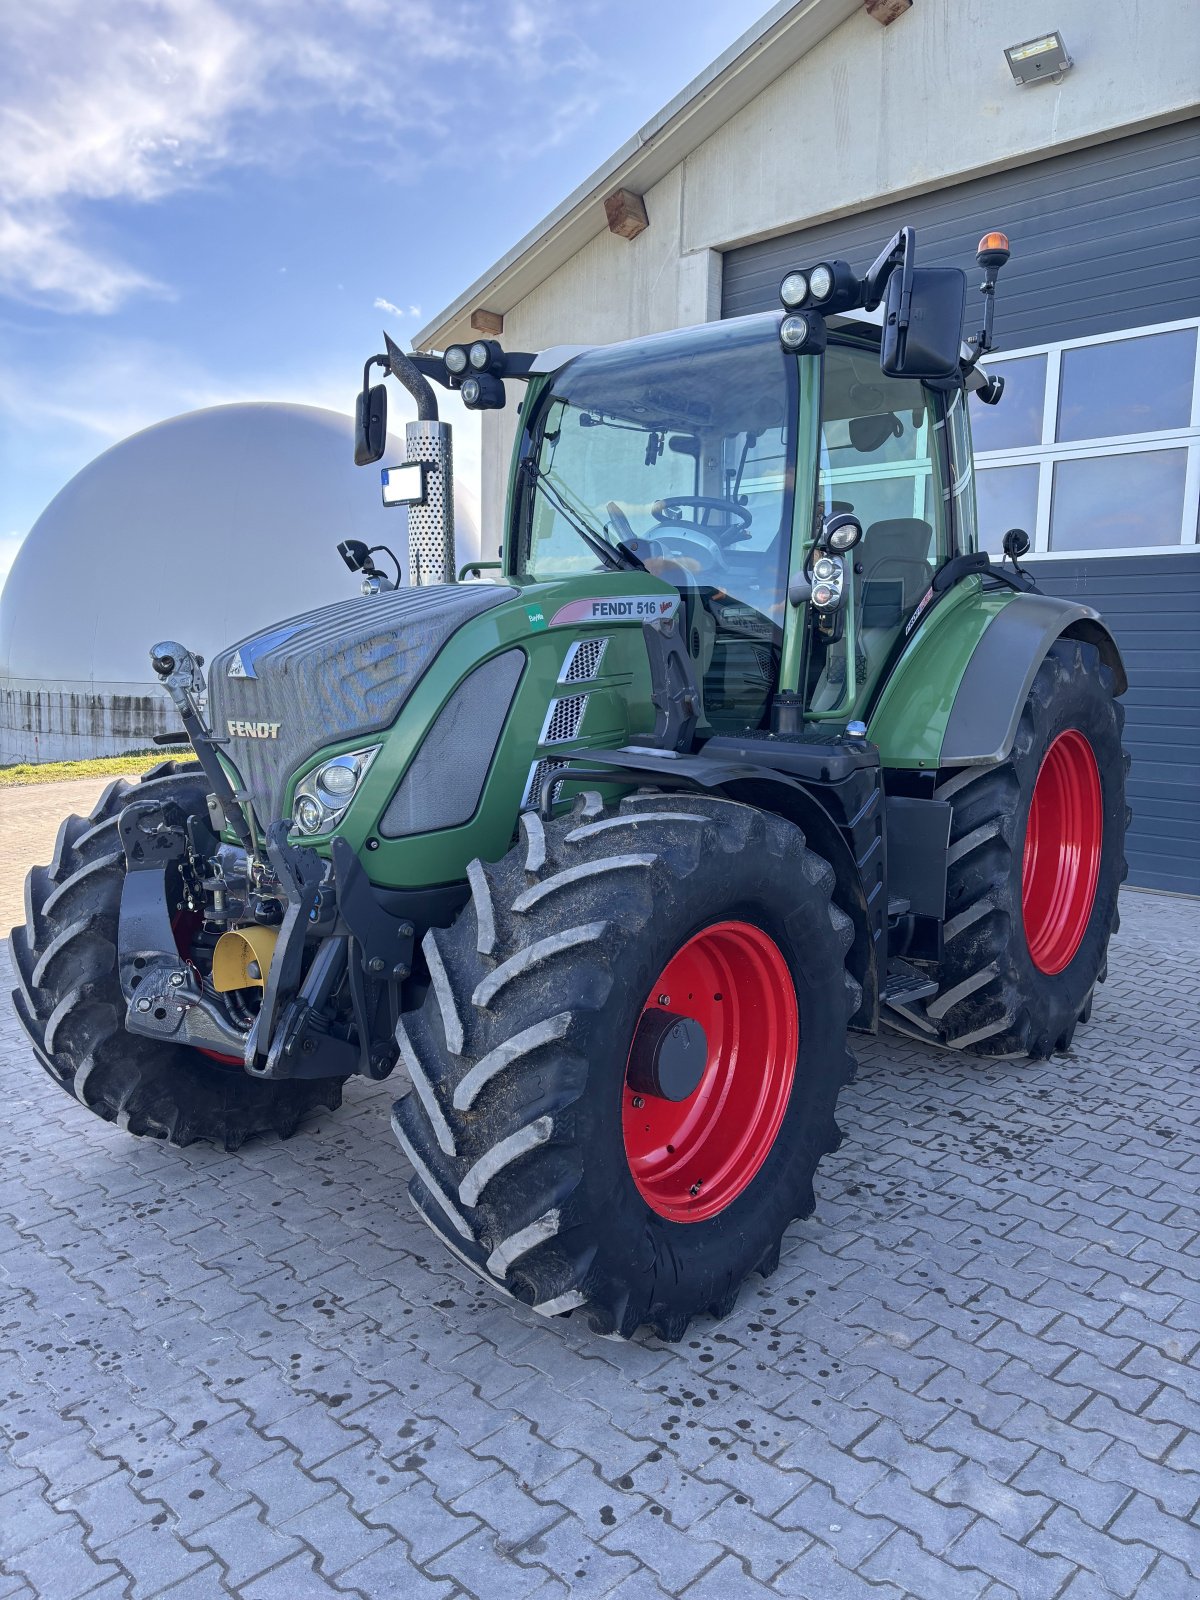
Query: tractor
[[745, 744]]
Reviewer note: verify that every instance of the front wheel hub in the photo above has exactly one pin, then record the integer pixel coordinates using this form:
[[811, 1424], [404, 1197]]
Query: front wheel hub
[[710, 1071]]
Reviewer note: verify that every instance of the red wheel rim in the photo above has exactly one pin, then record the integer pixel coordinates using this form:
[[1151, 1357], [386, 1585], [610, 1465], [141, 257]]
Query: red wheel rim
[[692, 1158], [1061, 863]]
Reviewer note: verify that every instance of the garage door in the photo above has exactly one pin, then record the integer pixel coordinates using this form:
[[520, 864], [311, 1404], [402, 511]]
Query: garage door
[[1104, 241]]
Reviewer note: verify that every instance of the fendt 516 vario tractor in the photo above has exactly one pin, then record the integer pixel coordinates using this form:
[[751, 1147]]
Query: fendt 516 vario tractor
[[747, 744]]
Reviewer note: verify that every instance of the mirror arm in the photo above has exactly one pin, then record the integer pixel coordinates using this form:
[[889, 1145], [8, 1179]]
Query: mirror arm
[[899, 250], [413, 379]]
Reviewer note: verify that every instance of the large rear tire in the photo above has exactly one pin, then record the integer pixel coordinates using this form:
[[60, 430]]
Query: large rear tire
[[1037, 856], [540, 1155], [70, 1004]]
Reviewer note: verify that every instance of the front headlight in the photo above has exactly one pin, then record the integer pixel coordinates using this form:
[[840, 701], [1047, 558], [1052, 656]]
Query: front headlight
[[323, 794]]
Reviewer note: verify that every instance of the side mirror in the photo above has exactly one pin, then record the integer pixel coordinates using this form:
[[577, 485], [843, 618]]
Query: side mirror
[[1015, 544], [370, 425], [923, 339], [355, 554]]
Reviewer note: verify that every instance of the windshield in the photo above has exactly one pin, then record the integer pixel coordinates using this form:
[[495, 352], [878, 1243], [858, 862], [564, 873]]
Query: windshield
[[681, 448]]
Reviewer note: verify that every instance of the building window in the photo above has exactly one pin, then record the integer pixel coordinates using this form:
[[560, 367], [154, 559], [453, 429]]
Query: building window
[[1095, 445]]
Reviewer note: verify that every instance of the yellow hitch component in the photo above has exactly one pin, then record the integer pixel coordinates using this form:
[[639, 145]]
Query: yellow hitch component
[[242, 957]]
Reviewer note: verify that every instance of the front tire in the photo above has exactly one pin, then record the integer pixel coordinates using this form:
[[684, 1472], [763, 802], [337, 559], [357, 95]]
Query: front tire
[[1037, 857], [536, 1157], [69, 999]]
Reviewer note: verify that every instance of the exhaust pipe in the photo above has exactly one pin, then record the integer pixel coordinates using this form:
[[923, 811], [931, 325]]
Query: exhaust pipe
[[431, 551]]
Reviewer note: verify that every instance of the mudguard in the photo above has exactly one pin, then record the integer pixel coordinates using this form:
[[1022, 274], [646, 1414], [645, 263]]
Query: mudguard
[[992, 691]]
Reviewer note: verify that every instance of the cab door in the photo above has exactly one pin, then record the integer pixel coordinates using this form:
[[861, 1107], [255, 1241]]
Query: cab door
[[884, 455]]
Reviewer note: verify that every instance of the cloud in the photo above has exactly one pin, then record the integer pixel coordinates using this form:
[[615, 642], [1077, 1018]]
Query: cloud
[[134, 100], [381, 304]]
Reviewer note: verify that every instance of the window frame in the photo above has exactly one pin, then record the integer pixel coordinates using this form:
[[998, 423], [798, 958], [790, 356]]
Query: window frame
[[1049, 450]]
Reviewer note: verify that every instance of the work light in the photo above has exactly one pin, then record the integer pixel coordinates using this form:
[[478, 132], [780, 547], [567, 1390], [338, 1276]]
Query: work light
[[793, 333], [820, 282], [484, 356], [793, 291], [456, 359]]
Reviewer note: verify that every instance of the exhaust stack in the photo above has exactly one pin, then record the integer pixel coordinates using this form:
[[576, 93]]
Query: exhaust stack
[[431, 554]]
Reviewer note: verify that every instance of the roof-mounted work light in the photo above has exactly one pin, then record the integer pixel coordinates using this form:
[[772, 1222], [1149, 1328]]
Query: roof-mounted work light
[[829, 287]]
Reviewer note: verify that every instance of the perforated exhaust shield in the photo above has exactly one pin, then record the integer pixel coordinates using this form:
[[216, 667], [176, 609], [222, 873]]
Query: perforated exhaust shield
[[431, 526]]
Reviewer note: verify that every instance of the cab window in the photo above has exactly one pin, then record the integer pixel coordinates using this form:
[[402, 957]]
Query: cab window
[[881, 443]]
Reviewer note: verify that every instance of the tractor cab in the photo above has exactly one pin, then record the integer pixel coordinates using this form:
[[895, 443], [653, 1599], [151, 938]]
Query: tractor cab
[[714, 458]]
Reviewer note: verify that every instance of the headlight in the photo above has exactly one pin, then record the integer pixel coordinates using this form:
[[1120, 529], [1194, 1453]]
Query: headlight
[[793, 291], [323, 795], [456, 359], [793, 333], [471, 390], [308, 815], [820, 282], [824, 568]]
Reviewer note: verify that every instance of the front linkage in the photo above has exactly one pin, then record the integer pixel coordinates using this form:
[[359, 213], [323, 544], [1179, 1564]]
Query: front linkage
[[330, 993]]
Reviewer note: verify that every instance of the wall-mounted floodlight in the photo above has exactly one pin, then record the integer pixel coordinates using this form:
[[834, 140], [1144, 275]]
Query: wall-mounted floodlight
[[1043, 60]]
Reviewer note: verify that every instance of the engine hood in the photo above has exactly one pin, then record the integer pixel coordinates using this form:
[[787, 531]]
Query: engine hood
[[328, 675]]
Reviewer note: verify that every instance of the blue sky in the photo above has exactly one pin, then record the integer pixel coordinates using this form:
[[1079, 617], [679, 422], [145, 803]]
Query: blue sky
[[211, 200]]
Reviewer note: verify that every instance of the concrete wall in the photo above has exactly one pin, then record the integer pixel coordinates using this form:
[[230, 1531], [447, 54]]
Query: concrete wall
[[870, 114]]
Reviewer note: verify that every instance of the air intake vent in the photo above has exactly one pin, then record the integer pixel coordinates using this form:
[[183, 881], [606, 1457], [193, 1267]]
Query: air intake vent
[[540, 773], [583, 661], [563, 720]]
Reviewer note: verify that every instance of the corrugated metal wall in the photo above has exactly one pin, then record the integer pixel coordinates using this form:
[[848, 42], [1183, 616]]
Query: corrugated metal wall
[[1103, 239], [1152, 606]]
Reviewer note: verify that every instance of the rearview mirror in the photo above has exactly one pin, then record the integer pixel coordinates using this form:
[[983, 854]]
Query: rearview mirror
[[930, 344], [405, 485], [1015, 544], [370, 425]]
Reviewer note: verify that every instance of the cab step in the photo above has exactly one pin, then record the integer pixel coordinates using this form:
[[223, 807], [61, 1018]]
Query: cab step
[[906, 984]]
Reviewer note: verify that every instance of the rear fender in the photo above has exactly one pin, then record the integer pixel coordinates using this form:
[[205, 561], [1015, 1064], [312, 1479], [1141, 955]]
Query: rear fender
[[992, 690]]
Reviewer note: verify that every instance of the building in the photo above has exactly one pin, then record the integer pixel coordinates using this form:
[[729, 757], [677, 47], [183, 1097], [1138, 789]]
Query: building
[[201, 528], [831, 123]]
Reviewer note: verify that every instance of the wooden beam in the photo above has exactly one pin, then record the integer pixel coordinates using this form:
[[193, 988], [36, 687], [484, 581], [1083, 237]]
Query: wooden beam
[[489, 322], [626, 213], [886, 11]]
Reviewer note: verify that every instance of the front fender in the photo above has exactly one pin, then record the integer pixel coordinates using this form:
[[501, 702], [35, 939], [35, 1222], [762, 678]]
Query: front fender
[[992, 690]]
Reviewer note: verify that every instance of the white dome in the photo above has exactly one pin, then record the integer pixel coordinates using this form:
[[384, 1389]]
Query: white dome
[[202, 528]]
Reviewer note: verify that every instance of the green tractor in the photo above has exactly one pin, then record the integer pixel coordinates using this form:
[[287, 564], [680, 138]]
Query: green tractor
[[747, 745]]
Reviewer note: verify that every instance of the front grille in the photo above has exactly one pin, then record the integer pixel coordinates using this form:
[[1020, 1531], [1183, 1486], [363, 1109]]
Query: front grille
[[341, 672]]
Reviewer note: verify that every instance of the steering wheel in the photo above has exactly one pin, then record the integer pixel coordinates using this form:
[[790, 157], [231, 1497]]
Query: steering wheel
[[669, 513]]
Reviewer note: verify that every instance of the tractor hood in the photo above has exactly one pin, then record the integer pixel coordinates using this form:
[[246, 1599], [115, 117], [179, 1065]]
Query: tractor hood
[[329, 676]]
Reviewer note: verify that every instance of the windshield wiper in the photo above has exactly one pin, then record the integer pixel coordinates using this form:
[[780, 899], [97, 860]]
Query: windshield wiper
[[616, 557]]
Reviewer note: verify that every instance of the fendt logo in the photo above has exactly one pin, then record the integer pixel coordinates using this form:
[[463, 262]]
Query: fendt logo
[[253, 730]]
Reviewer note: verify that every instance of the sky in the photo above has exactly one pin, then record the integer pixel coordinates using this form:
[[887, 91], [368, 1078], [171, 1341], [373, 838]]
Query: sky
[[213, 200]]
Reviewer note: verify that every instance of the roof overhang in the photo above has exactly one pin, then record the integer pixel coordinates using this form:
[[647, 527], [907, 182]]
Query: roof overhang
[[775, 43]]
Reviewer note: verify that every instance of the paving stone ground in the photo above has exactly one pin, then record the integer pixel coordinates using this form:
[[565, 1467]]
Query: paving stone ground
[[974, 1374]]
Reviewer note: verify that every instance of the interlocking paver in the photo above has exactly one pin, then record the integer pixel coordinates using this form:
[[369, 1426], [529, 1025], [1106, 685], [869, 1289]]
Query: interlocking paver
[[258, 1376]]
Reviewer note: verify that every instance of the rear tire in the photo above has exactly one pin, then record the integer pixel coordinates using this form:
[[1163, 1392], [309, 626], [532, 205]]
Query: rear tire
[[516, 1125], [1015, 979], [70, 1004]]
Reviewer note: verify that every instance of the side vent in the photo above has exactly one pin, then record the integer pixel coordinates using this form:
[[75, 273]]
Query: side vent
[[583, 661], [563, 720], [540, 774]]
